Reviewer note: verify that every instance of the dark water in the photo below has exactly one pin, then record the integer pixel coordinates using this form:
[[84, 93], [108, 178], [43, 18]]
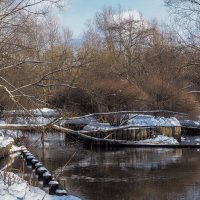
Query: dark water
[[123, 174]]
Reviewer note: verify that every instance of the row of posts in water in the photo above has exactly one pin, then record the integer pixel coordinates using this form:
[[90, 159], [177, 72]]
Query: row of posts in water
[[43, 174]]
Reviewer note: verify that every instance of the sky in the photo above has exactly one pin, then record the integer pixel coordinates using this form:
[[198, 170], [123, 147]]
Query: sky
[[78, 12]]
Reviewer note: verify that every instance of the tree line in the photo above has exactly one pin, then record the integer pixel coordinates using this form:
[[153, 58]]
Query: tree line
[[122, 63]]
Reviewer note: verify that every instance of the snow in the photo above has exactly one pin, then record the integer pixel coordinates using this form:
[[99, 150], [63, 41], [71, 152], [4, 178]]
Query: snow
[[98, 126], [197, 139], [189, 123], [39, 120], [60, 191], [134, 121], [12, 133], [160, 139], [5, 141], [33, 120], [53, 182], [40, 116], [46, 115], [149, 120], [182, 139], [46, 174], [12, 187], [15, 148], [41, 169], [45, 112]]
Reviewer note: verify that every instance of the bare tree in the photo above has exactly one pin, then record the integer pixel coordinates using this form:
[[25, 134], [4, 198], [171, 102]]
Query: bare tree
[[24, 44], [135, 63], [186, 16], [125, 36], [186, 21]]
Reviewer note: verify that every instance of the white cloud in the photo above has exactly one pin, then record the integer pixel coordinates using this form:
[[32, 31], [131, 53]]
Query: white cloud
[[129, 15]]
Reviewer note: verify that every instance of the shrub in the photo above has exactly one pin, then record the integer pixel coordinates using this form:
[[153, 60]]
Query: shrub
[[167, 96], [117, 94], [74, 100]]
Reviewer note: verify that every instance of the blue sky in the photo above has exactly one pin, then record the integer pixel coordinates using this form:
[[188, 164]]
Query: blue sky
[[79, 11]]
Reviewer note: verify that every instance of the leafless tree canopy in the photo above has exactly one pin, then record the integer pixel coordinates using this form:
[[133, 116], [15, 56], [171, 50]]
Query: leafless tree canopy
[[122, 63], [33, 50]]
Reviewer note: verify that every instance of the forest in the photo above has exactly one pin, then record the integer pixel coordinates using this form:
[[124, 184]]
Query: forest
[[122, 62]]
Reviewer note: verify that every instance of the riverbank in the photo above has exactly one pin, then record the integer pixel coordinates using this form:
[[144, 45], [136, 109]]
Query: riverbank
[[12, 187], [96, 173], [93, 124]]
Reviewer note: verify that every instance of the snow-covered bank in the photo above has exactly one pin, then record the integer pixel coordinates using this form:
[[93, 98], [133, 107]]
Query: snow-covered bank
[[5, 141], [7, 138], [133, 121], [12, 187], [150, 120], [34, 116], [43, 116], [190, 123], [160, 139], [44, 112], [11, 133]]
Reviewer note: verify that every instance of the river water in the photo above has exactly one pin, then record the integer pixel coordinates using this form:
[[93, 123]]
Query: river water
[[116, 174]]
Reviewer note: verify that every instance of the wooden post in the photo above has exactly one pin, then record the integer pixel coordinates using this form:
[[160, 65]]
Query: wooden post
[[148, 132], [98, 134], [145, 133], [120, 133], [133, 134], [138, 134], [129, 135], [125, 134]]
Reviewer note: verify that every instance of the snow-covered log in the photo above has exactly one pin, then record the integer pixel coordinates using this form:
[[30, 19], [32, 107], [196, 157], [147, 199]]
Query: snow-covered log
[[86, 138]]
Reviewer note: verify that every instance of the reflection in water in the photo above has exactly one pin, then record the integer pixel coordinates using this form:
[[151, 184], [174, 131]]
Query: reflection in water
[[130, 173]]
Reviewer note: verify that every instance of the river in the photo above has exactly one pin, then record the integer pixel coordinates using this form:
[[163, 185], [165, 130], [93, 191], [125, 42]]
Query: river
[[116, 174]]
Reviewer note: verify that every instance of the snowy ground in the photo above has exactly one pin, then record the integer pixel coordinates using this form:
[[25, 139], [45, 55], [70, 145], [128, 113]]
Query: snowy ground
[[5, 141], [160, 139], [190, 123], [44, 112], [11, 133], [12, 187], [134, 120], [149, 120], [39, 116]]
